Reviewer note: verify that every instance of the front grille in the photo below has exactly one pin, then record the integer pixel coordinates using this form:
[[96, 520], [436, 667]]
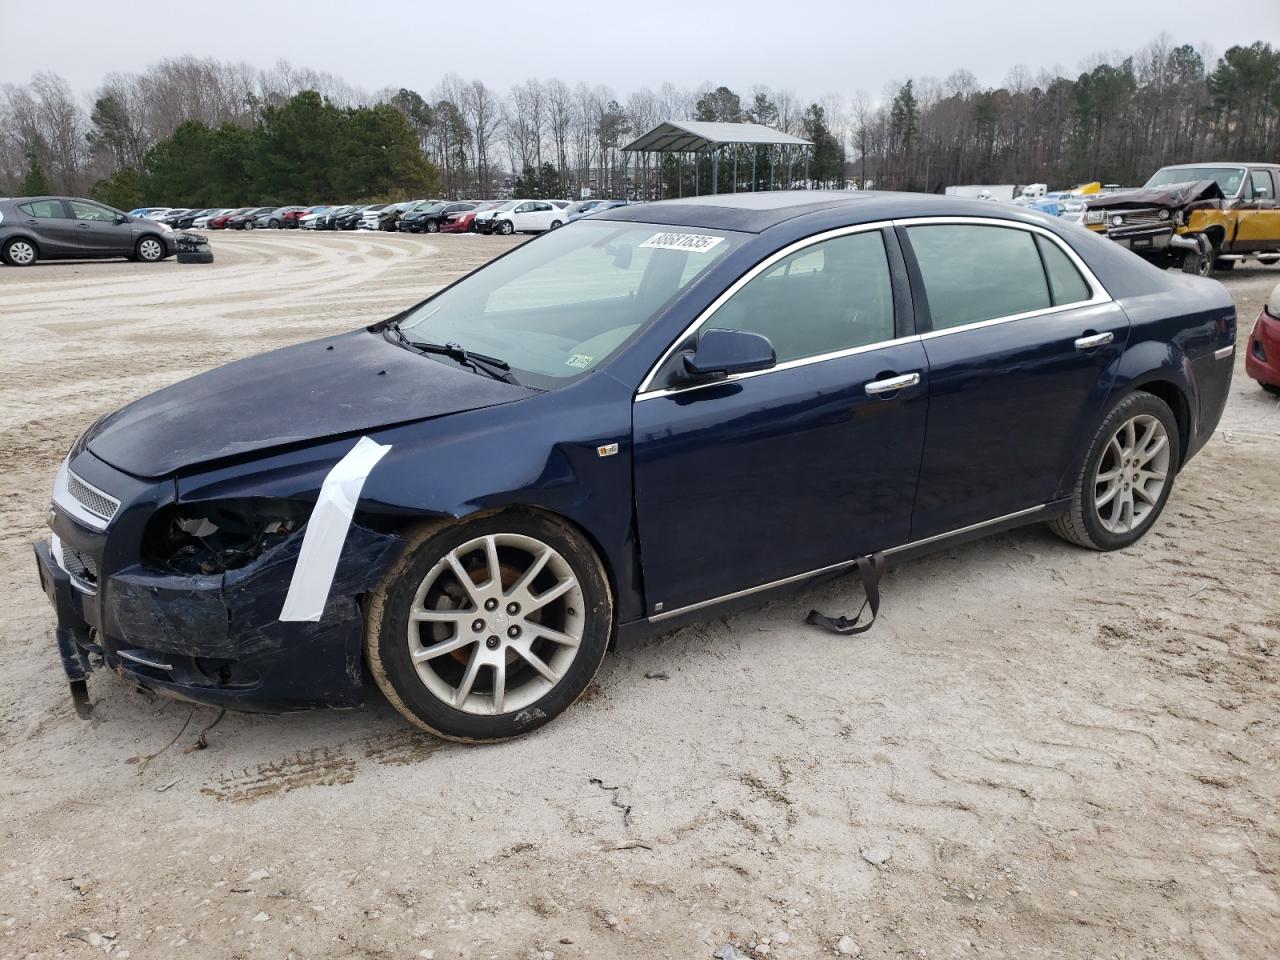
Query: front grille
[[79, 566], [1136, 218], [95, 501]]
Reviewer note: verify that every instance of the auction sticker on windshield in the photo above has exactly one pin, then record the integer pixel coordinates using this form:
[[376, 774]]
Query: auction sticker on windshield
[[691, 242]]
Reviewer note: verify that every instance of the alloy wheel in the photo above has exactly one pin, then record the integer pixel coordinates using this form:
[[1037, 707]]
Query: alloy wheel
[[1131, 474], [496, 623]]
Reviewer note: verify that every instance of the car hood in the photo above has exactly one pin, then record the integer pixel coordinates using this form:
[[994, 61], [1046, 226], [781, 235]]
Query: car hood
[[1174, 195], [310, 392]]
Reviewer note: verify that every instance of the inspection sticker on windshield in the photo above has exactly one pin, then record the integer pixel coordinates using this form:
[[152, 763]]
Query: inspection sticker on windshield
[[579, 360], [691, 242]]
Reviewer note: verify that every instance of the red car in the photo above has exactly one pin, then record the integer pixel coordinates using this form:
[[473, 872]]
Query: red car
[[461, 222], [220, 222], [1262, 357]]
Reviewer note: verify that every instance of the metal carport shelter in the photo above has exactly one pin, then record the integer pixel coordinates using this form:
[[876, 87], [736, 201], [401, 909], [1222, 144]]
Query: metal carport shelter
[[697, 137]]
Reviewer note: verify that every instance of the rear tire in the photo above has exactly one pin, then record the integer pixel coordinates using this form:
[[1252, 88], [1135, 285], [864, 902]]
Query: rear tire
[[1126, 477], [20, 252], [492, 630], [555, 224]]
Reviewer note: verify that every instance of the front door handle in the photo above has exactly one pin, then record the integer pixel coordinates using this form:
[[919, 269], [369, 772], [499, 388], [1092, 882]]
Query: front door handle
[[878, 388], [1094, 340]]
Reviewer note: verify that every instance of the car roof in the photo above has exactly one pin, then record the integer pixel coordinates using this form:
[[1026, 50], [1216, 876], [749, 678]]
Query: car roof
[[757, 212], [1220, 163]]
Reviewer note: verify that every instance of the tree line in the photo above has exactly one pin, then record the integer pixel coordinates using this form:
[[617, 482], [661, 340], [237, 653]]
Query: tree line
[[197, 132]]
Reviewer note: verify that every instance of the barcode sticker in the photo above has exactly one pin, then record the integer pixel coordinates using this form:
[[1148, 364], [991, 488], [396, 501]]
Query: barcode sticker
[[690, 242]]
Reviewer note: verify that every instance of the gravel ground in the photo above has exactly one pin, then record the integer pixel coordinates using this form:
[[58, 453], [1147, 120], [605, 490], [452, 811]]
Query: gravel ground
[[1038, 752]]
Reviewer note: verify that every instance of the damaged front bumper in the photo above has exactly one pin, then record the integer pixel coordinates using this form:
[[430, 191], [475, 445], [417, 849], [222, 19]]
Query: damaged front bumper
[[214, 639]]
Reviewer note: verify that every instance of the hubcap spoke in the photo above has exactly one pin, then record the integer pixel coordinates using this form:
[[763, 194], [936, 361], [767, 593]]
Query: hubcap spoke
[[441, 648], [556, 636], [495, 569], [559, 590], [1109, 495], [527, 578], [499, 685], [468, 678], [537, 663], [1140, 491], [463, 577], [1150, 451], [441, 616]]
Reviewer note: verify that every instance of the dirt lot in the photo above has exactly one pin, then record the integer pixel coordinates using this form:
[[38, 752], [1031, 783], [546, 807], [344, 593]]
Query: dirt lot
[[1061, 754]]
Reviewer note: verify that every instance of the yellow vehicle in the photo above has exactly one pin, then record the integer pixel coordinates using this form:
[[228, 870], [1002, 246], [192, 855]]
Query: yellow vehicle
[[1201, 216]]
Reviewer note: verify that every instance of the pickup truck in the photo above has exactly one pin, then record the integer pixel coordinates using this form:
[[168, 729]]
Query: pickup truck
[[1200, 216]]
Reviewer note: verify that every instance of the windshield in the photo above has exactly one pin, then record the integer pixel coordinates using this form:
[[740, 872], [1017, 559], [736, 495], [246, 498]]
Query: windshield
[[1227, 178], [562, 304]]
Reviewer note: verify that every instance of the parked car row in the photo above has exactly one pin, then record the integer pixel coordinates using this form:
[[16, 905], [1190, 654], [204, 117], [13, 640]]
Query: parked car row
[[410, 216]]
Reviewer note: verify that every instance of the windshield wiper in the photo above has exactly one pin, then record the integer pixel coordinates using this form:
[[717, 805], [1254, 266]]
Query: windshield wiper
[[481, 363], [494, 367]]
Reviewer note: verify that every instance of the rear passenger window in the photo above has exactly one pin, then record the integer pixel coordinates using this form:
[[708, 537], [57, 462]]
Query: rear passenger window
[[44, 209], [832, 296], [976, 273], [1065, 283]]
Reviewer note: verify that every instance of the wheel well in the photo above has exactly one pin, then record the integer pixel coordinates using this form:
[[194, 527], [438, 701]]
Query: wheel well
[[1216, 235], [22, 236], [411, 525], [1172, 394]]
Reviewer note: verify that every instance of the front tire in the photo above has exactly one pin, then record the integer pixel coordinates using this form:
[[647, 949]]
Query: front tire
[[20, 252], [1127, 476], [273, 223], [489, 628], [506, 228], [149, 250], [1198, 263], [433, 227]]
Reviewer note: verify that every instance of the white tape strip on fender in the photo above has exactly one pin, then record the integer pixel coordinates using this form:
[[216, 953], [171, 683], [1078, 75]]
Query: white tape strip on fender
[[327, 531]]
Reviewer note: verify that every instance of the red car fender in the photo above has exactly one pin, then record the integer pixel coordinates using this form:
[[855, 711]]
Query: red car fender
[[1262, 350]]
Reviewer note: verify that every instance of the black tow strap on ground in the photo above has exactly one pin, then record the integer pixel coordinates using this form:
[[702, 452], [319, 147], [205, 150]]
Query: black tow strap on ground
[[869, 571]]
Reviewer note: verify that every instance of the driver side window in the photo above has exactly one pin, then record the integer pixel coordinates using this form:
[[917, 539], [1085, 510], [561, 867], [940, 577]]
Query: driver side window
[[831, 296], [91, 211], [1260, 181]]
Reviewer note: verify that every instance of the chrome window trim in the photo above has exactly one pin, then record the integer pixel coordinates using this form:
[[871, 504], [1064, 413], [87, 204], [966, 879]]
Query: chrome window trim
[[843, 564], [1099, 295], [63, 500]]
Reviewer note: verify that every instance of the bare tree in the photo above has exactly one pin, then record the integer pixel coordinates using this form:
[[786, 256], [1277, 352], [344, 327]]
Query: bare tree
[[484, 115]]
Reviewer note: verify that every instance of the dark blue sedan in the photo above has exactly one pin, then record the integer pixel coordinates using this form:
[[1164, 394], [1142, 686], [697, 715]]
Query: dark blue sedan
[[642, 418]]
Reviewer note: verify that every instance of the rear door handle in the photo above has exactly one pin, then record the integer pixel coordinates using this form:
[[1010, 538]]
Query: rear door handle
[[878, 388], [1095, 340]]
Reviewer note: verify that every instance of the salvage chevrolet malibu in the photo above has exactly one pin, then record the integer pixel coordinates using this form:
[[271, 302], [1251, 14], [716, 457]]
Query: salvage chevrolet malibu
[[639, 419]]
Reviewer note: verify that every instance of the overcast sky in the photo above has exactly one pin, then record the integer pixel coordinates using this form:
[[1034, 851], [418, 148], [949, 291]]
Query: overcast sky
[[813, 47]]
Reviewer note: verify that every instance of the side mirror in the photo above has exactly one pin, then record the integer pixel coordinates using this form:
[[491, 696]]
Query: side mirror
[[122, 218], [723, 353]]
